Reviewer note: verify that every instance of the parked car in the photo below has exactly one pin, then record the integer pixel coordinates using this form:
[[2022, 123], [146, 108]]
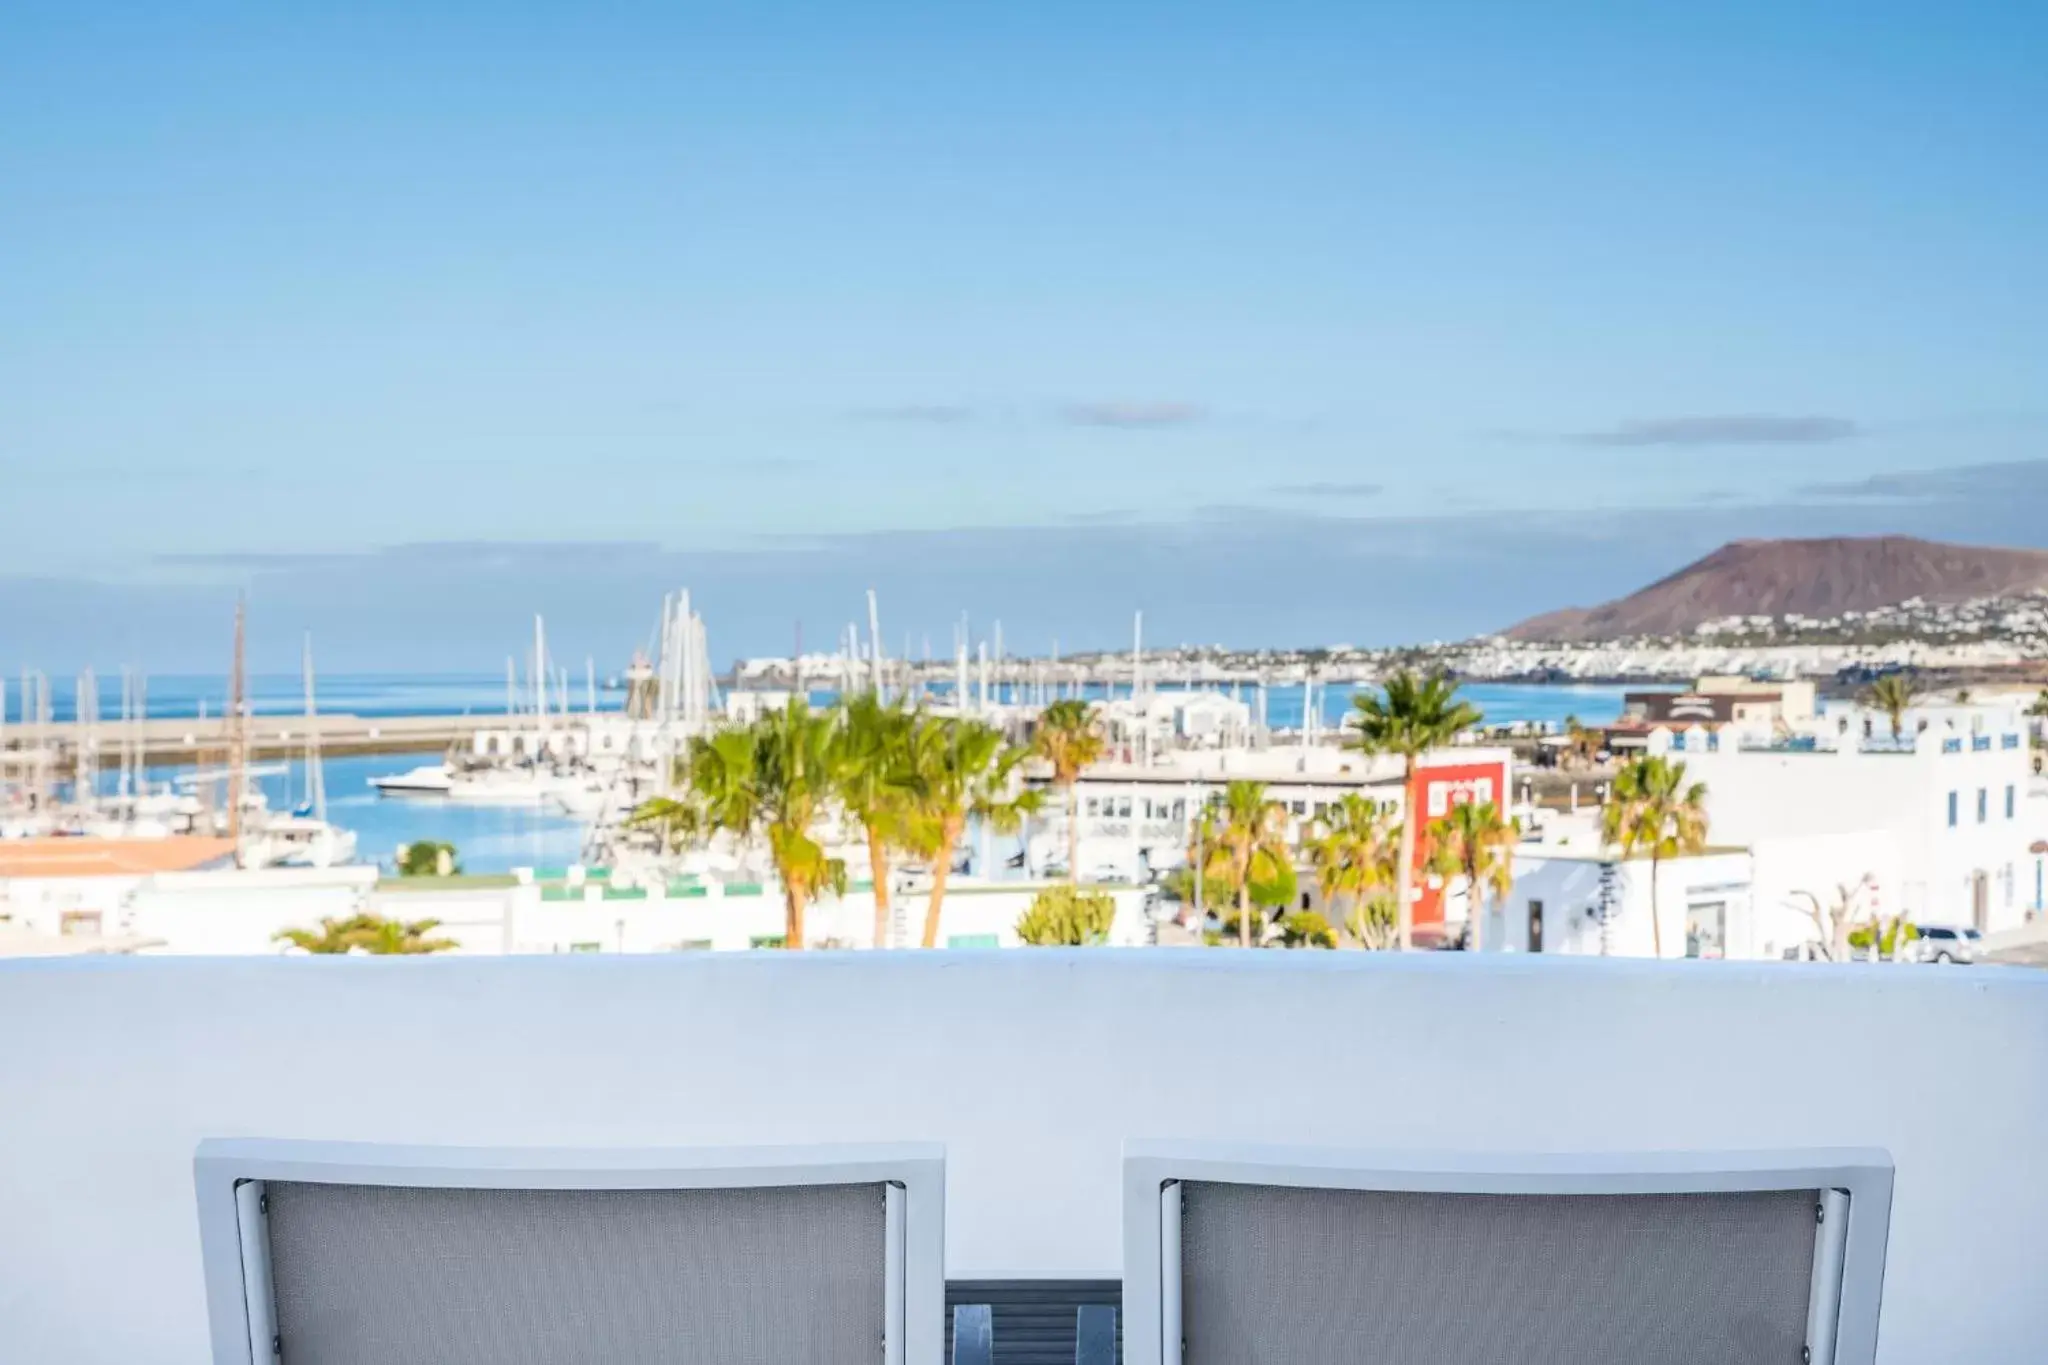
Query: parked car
[[1940, 943]]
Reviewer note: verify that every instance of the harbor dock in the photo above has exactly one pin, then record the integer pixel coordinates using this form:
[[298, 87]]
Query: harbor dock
[[185, 740]]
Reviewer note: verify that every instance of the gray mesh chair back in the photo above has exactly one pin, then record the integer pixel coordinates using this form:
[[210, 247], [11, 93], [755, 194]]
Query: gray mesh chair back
[[357, 1256], [1662, 1260]]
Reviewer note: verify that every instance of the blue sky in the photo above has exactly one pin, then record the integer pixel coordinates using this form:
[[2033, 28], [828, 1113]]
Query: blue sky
[[1286, 322]]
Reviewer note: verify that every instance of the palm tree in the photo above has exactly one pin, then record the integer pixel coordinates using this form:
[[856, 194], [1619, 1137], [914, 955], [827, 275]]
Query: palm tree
[[1893, 695], [333, 936], [961, 770], [1473, 842], [1414, 716], [401, 938], [1069, 738], [873, 785], [767, 781], [794, 776], [371, 934], [1584, 743], [1354, 852], [679, 820], [1244, 841], [1652, 808]]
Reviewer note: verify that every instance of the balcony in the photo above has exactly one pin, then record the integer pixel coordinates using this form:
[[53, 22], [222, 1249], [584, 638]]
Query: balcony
[[1033, 1070]]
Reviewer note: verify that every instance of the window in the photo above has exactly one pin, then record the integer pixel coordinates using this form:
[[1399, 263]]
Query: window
[[1095, 808], [1951, 810], [2008, 801], [1983, 804]]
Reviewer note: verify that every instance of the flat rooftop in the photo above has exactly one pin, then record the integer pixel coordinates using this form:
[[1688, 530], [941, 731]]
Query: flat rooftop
[[61, 857]]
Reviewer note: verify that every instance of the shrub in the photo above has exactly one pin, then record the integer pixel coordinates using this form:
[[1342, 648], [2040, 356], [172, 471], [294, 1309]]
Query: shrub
[[427, 859], [1067, 916], [1306, 929]]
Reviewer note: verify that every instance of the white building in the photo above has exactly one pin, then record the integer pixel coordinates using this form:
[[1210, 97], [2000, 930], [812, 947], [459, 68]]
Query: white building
[[1594, 903], [1834, 820], [1138, 818], [1946, 803], [1160, 721], [1766, 901]]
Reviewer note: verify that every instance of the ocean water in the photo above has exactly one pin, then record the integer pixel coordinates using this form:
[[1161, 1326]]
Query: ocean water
[[456, 694], [486, 839], [1498, 703], [180, 695], [495, 839]]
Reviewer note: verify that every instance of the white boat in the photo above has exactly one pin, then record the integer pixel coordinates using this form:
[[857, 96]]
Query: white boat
[[298, 841], [496, 786], [524, 787], [303, 838], [429, 779]]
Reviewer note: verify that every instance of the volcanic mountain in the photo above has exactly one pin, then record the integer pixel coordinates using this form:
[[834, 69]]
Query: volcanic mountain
[[1813, 578]]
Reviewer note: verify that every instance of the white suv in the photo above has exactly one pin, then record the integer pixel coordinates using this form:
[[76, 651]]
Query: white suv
[[1939, 943]]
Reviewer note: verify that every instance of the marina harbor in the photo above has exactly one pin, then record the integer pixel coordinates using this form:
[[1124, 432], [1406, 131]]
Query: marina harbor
[[1823, 825]]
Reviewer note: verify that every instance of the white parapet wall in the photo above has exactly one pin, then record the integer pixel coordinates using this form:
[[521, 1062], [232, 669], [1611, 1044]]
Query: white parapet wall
[[242, 913], [1032, 1067]]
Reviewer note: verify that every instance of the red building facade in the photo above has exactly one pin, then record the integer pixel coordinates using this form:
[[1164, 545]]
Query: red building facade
[[1436, 787]]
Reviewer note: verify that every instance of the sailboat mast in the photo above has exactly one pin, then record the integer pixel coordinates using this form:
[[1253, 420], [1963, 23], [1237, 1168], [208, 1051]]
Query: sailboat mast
[[875, 643], [237, 737], [1137, 652], [85, 764], [540, 675], [316, 776], [960, 671], [141, 778]]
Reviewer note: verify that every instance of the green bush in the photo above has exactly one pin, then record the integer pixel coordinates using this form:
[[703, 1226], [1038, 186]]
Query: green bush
[[1860, 938], [1217, 894], [1306, 929], [428, 859], [1067, 916]]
